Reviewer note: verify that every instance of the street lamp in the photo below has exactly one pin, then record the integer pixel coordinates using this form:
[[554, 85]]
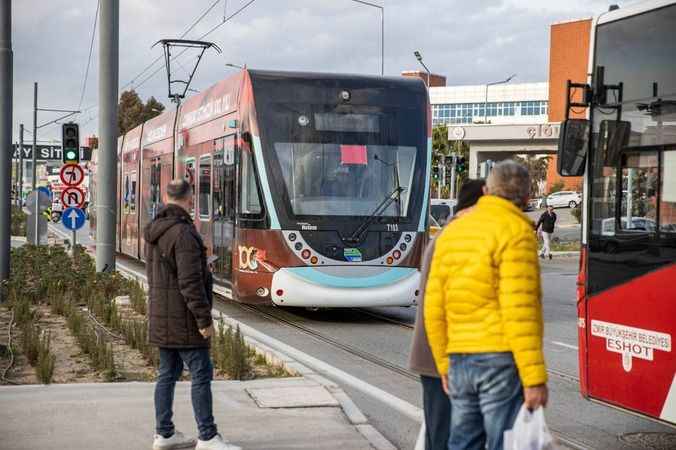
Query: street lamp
[[382, 32], [418, 56], [486, 100]]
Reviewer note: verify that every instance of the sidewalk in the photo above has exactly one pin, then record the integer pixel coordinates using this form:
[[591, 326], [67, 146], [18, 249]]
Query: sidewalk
[[289, 413]]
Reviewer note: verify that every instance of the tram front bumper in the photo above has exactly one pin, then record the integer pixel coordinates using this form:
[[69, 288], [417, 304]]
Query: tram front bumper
[[345, 286]]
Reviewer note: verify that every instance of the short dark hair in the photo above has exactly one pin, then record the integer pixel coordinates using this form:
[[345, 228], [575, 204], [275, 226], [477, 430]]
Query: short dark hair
[[469, 193], [179, 189]]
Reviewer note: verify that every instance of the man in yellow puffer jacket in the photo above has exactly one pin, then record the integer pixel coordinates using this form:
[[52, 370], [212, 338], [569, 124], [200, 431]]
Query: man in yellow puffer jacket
[[483, 313]]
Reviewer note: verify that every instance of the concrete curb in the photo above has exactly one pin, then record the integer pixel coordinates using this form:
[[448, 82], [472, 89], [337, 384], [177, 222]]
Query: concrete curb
[[577, 253], [352, 412]]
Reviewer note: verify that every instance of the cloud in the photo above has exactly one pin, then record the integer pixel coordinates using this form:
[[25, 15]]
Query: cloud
[[470, 42]]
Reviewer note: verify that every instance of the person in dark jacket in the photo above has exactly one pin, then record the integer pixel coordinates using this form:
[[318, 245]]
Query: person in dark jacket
[[179, 318], [436, 404], [547, 222]]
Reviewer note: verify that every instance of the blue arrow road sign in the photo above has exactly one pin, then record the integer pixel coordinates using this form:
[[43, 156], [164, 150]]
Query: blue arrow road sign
[[73, 218]]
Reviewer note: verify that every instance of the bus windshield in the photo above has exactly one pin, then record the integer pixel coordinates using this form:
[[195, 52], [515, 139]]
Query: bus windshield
[[638, 52], [345, 180]]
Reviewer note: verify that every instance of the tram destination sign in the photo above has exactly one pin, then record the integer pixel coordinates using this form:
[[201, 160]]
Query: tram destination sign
[[48, 152]]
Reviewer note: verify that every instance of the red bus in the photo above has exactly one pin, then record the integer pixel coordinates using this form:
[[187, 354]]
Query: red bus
[[626, 150]]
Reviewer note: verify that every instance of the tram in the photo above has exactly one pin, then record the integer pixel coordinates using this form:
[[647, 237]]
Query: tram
[[311, 189], [626, 149]]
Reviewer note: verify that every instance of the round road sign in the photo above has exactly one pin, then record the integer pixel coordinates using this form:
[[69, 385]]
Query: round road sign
[[72, 197], [73, 218], [72, 174]]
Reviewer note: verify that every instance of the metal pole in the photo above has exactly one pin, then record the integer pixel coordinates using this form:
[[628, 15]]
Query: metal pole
[[486, 106], [438, 187], [382, 41], [443, 175], [109, 20], [20, 190], [34, 169], [454, 161], [6, 86]]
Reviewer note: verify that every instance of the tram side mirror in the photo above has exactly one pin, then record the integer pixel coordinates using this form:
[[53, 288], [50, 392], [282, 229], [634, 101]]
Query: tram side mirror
[[613, 137], [573, 144]]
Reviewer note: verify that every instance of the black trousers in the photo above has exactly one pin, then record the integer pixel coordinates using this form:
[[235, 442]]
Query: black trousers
[[437, 408]]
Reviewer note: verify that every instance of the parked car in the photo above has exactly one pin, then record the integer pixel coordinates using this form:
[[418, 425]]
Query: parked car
[[563, 199]]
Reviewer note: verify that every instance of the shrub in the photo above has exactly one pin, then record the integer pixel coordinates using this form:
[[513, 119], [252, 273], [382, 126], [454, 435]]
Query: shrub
[[18, 221], [557, 186], [45, 363]]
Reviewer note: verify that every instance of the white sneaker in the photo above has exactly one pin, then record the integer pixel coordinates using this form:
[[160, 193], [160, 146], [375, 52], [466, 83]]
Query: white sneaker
[[176, 440], [215, 443]]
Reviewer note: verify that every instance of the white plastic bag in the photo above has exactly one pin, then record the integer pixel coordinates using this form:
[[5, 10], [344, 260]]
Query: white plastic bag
[[530, 432]]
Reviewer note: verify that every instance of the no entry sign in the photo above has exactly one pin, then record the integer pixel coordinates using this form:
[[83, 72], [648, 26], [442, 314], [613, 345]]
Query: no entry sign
[[72, 197], [72, 174]]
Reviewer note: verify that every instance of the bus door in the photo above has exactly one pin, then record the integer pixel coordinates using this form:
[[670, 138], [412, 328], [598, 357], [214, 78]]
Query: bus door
[[631, 301], [224, 205]]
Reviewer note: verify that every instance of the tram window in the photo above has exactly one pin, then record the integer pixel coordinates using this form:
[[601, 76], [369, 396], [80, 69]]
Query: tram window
[[668, 193], [127, 194], [224, 179], [155, 184], [639, 192], [190, 177], [249, 200], [132, 194], [205, 187]]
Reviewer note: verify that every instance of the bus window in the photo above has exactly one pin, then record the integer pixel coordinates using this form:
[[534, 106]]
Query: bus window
[[205, 187], [639, 192], [190, 177], [668, 193], [249, 200]]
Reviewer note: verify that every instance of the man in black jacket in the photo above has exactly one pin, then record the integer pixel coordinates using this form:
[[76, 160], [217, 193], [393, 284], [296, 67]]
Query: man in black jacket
[[179, 318], [547, 221]]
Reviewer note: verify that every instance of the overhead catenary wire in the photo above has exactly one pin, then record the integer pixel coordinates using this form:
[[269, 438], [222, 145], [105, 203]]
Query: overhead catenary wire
[[89, 58], [159, 58]]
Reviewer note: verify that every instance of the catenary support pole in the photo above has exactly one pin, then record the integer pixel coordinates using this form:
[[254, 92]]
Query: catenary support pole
[[34, 165], [6, 87], [20, 187], [109, 20]]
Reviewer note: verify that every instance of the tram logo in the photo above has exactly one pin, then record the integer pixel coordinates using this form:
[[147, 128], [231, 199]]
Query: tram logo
[[631, 342], [250, 258]]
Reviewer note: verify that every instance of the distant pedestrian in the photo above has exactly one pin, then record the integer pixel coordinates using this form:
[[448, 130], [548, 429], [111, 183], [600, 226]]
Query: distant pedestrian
[[179, 319], [546, 222], [483, 313], [436, 404]]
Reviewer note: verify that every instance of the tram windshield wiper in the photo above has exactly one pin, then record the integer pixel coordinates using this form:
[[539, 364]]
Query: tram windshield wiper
[[395, 195]]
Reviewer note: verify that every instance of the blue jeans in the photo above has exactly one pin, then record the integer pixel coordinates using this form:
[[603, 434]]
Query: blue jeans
[[486, 394], [198, 361], [437, 410]]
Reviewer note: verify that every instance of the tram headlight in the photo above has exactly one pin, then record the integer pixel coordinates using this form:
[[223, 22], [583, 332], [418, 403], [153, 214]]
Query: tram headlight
[[262, 292], [292, 237], [407, 238], [305, 254], [298, 246], [390, 260], [396, 254], [314, 260], [402, 247], [345, 96]]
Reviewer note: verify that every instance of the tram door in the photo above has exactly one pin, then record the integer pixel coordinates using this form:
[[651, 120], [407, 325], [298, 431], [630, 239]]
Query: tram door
[[155, 188], [224, 205]]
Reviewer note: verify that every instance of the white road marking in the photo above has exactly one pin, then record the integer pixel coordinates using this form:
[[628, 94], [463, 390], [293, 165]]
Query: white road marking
[[563, 344]]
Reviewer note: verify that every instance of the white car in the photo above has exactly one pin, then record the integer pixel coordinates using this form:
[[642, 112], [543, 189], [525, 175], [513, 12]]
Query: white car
[[563, 199]]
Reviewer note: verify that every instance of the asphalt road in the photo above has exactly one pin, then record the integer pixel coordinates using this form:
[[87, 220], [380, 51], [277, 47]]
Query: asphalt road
[[583, 424]]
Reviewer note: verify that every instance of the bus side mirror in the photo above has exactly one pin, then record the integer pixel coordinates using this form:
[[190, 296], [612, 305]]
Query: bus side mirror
[[573, 144]]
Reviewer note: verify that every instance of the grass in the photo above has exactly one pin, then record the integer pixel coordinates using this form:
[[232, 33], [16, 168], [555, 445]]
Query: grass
[[573, 246]]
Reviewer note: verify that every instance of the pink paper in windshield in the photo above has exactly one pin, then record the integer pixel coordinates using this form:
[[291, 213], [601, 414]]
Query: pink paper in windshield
[[353, 154]]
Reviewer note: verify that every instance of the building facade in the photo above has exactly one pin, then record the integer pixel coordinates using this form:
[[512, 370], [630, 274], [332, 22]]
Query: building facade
[[516, 103]]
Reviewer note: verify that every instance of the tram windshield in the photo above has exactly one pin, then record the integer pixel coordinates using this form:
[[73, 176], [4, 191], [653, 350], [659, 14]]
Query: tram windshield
[[346, 180]]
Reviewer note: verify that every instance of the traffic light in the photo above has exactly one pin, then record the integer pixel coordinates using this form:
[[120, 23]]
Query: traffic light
[[435, 172], [460, 164], [70, 138]]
